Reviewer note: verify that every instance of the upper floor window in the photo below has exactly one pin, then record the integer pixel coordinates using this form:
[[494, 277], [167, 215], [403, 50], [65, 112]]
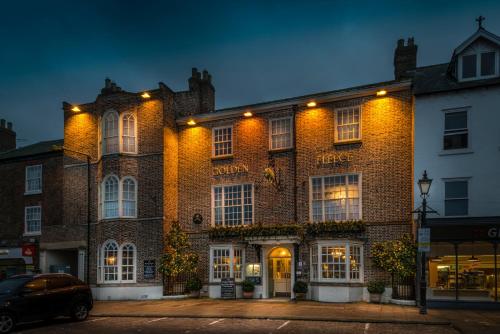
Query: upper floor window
[[118, 138], [110, 198], [348, 121], [33, 220], [222, 141], [232, 205], [456, 197], [335, 198], [478, 65], [117, 264], [118, 198], [33, 179], [456, 133], [280, 133], [128, 197]]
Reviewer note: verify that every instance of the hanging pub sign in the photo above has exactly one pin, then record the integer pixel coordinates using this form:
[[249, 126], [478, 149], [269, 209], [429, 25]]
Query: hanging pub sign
[[28, 250], [230, 170], [149, 269], [227, 288], [333, 159]]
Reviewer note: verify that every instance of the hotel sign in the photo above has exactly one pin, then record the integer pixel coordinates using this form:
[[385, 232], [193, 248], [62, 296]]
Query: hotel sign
[[229, 170], [333, 158]]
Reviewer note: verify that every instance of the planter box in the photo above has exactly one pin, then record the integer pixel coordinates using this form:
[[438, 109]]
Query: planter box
[[194, 294], [248, 295], [300, 296], [375, 298]]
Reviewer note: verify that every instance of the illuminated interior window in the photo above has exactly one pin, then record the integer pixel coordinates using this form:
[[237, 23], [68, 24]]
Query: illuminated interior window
[[280, 133], [348, 120], [222, 139]]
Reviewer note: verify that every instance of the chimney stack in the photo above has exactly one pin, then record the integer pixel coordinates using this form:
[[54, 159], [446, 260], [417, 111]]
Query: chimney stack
[[405, 59], [7, 136]]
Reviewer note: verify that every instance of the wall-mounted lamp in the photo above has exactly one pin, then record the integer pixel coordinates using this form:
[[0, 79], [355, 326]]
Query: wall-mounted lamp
[[311, 104], [248, 114], [191, 122], [382, 92], [75, 109], [145, 95]]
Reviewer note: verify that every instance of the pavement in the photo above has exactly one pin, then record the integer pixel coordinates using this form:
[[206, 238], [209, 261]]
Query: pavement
[[463, 321]]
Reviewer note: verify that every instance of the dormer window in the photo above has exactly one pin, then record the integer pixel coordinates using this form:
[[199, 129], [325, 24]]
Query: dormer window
[[478, 65]]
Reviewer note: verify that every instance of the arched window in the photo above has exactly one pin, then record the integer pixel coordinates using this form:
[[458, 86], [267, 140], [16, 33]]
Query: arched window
[[110, 197], [128, 263], [110, 261], [129, 199], [128, 133], [110, 132]]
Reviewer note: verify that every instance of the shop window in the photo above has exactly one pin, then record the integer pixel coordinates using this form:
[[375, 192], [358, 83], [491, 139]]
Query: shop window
[[456, 133], [336, 261], [348, 124], [33, 220], [232, 205], [335, 198], [117, 264], [222, 139], [221, 259], [280, 133], [33, 179], [456, 201]]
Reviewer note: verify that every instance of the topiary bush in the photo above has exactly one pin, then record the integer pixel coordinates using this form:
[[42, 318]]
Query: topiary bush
[[247, 286], [377, 287], [194, 284]]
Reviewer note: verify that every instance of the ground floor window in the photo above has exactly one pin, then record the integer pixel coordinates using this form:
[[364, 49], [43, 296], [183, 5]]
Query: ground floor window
[[340, 261], [467, 271], [226, 261], [116, 263]]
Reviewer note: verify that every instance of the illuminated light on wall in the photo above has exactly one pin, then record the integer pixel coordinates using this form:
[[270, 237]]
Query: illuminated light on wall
[[248, 114], [311, 104], [75, 109], [191, 122], [381, 92], [145, 95]]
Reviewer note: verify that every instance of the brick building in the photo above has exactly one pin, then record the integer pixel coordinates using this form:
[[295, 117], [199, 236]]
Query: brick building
[[287, 190]]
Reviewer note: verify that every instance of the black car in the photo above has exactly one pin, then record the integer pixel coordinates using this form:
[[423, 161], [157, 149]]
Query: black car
[[27, 298]]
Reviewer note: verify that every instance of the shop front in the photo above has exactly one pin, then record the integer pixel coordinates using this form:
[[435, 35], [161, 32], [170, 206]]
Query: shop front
[[463, 263]]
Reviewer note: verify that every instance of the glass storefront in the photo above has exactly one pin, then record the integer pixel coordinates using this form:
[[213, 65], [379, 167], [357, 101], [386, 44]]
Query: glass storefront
[[466, 271]]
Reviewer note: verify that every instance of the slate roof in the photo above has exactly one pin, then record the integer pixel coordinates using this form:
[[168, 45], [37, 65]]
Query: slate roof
[[34, 149]]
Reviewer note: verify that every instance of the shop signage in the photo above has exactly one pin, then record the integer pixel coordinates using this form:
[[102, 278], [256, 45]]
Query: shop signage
[[227, 288], [230, 170], [494, 233], [424, 239], [149, 269], [28, 250], [334, 159], [4, 252]]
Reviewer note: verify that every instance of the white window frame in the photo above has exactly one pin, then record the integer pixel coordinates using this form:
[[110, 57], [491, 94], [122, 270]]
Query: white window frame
[[242, 203], [100, 263], [121, 197], [213, 141], [26, 232], [336, 125], [271, 120], [347, 244], [231, 248], [360, 191], [103, 196], [478, 54], [459, 179], [36, 191], [104, 139], [460, 131], [102, 193], [120, 117]]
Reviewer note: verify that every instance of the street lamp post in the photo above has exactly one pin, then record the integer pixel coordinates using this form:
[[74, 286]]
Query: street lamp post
[[424, 185]]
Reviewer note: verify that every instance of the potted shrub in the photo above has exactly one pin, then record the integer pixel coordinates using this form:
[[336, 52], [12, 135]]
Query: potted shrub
[[376, 289], [193, 286], [248, 287], [300, 289]]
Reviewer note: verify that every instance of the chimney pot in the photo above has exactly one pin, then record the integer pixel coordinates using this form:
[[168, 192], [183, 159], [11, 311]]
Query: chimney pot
[[2, 123], [194, 70], [9, 125], [401, 43], [107, 83]]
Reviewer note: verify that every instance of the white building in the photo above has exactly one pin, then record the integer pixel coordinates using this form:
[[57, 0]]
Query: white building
[[457, 140]]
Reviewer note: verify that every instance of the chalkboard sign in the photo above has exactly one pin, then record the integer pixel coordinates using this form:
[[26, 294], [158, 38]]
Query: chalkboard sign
[[227, 288], [149, 269]]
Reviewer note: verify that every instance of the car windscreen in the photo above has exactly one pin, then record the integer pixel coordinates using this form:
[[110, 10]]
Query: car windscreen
[[11, 284]]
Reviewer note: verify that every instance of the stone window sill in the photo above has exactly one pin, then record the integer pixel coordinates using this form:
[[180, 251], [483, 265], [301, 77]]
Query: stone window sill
[[456, 152]]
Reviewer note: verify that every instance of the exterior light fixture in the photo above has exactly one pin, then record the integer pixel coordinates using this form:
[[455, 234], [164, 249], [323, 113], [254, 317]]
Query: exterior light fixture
[[191, 122], [248, 114], [75, 109], [145, 95], [311, 104], [424, 185], [473, 259], [381, 92]]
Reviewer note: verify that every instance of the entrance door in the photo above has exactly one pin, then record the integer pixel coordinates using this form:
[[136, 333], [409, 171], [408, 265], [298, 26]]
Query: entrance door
[[280, 261]]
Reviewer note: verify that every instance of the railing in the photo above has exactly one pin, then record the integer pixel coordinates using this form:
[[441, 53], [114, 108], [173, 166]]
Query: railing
[[175, 285], [403, 288]]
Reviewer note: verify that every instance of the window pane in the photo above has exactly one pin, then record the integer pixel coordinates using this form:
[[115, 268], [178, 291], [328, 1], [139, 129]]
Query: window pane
[[111, 197], [281, 133], [355, 262], [469, 66], [110, 133], [348, 124], [128, 198], [238, 263], [128, 263], [128, 136], [456, 207], [34, 178], [110, 258], [455, 120], [223, 141], [456, 189], [33, 219], [455, 141], [221, 262], [488, 63]]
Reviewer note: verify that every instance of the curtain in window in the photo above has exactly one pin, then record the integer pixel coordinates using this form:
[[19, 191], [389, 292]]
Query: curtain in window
[[128, 135], [128, 198], [110, 133], [110, 191]]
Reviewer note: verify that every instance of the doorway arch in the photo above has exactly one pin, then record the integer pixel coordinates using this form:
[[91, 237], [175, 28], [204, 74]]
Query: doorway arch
[[279, 272]]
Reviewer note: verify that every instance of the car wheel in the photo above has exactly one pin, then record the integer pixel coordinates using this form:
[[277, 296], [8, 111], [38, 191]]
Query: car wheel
[[80, 311], [7, 323]]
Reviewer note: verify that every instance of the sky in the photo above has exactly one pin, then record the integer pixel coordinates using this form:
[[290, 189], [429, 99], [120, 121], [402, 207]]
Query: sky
[[55, 51]]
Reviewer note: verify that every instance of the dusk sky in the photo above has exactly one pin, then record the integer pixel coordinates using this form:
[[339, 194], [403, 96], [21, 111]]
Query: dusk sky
[[54, 51]]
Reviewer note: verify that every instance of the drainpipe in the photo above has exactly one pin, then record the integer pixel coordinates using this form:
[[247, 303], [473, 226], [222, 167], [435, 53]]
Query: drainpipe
[[295, 214]]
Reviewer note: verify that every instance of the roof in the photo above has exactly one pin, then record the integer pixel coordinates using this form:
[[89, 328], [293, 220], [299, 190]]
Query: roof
[[42, 147], [436, 78], [481, 32]]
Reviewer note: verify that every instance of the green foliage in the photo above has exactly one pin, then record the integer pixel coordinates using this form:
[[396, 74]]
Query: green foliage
[[194, 284], [334, 228], [247, 286], [178, 258], [396, 256], [300, 287], [376, 287]]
